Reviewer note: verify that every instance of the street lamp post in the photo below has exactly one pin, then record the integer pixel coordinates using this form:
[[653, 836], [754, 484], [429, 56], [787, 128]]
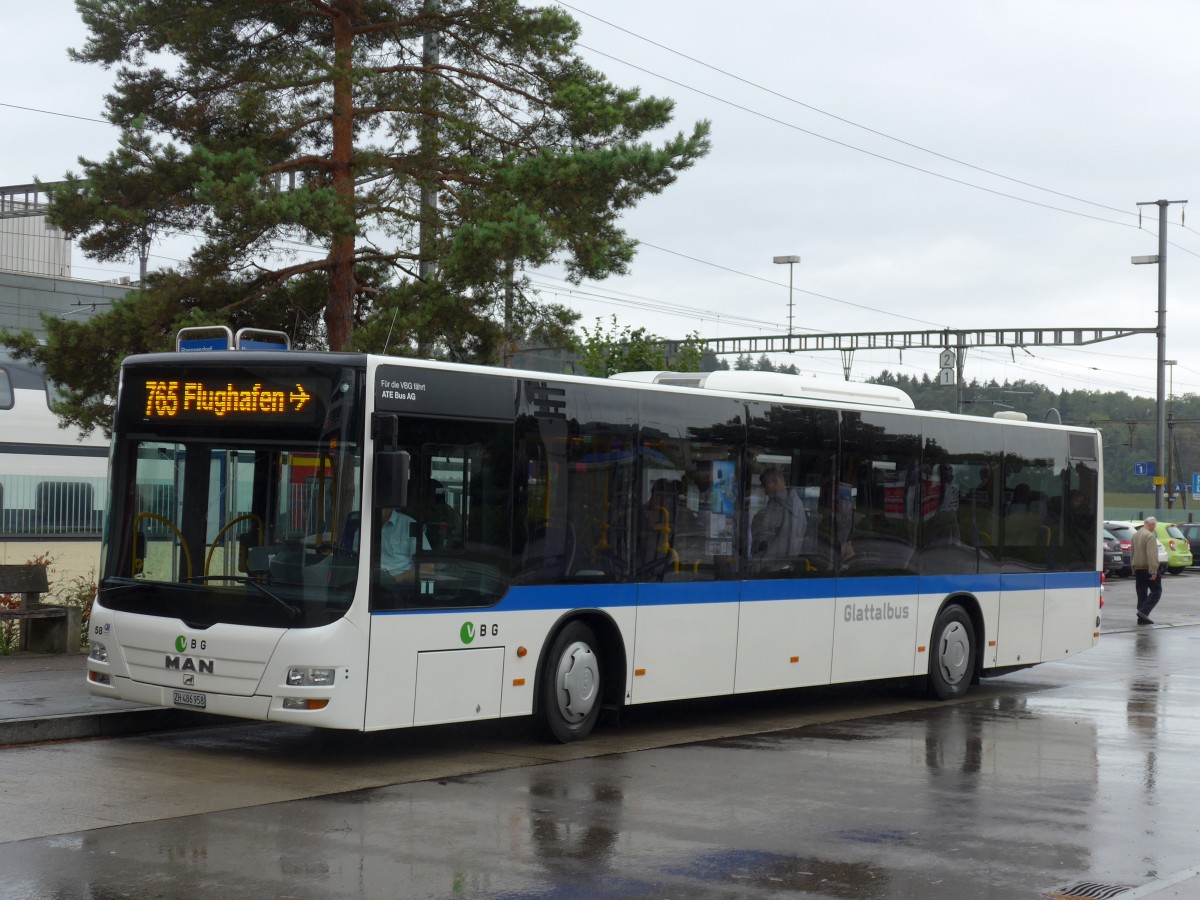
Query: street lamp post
[[791, 264]]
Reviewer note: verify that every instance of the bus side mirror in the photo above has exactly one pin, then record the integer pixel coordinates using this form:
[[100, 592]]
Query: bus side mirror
[[391, 479]]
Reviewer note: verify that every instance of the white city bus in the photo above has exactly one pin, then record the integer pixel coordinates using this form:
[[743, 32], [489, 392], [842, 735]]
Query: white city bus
[[578, 544]]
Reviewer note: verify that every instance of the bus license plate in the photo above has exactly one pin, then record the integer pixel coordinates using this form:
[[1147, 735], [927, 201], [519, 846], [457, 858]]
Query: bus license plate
[[190, 699]]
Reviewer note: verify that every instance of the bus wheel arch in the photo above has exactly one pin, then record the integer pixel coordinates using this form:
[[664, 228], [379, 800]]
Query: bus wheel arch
[[580, 671], [954, 656]]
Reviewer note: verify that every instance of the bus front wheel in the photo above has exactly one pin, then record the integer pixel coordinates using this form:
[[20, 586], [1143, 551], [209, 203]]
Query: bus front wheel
[[571, 685], [952, 654]]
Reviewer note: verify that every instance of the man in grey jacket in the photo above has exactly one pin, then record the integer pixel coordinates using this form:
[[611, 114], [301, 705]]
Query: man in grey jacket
[[1144, 562]]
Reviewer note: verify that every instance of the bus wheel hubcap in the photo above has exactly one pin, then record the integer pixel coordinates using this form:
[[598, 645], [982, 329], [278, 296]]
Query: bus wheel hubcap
[[577, 680], [955, 651]]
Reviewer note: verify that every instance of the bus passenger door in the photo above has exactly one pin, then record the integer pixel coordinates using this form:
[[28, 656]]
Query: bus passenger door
[[875, 624], [689, 499], [786, 623]]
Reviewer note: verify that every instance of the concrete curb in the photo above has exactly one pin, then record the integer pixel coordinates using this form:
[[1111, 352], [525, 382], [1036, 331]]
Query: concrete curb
[[100, 724]]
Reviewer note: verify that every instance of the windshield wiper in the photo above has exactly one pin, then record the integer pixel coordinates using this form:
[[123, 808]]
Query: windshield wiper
[[128, 584], [294, 612]]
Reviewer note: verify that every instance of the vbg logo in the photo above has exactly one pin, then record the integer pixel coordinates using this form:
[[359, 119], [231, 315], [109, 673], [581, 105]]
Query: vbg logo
[[469, 631], [180, 644]]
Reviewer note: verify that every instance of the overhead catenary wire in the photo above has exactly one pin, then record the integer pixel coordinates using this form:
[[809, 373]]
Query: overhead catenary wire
[[569, 291], [836, 117], [849, 146]]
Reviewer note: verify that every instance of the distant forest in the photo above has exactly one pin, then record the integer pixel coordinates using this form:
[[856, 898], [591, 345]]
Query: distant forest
[[1126, 422]]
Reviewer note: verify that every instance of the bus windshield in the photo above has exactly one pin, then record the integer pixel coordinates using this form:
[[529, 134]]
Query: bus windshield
[[251, 521]]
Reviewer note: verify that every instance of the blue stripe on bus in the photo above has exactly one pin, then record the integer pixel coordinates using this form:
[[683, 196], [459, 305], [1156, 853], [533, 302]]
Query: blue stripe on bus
[[674, 593], [575, 596]]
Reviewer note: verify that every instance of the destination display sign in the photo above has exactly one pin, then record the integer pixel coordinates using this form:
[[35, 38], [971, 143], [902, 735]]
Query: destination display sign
[[201, 398], [230, 396]]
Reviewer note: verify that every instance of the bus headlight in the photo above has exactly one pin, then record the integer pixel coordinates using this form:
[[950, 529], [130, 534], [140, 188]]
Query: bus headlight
[[308, 676], [98, 652]]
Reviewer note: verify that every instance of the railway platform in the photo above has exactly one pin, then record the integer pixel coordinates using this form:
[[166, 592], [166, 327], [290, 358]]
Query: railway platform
[[44, 697]]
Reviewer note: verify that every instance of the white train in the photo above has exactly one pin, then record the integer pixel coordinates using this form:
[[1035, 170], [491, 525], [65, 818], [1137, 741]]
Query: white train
[[52, 479]]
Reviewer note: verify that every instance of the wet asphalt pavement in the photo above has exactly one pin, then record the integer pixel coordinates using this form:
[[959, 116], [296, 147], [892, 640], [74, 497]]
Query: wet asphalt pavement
[[1065, 780]]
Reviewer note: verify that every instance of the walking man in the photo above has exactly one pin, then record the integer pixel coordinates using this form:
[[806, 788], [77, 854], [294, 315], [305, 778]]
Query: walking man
[[1144, 561]]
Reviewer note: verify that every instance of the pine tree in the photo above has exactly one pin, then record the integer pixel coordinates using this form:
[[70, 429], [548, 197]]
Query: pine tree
[[428, 150]]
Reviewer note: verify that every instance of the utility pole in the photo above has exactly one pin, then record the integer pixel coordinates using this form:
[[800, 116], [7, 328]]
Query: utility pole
[[1160, 458]]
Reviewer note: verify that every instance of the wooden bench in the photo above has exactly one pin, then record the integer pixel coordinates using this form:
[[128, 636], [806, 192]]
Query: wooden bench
[[45, 627]]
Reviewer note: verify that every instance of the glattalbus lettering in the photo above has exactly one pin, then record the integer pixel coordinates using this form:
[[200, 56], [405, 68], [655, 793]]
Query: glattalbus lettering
[[187, 664], [874, 612]]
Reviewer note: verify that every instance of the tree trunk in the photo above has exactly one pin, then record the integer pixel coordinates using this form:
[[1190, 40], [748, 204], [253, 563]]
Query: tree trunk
[[342, 285]]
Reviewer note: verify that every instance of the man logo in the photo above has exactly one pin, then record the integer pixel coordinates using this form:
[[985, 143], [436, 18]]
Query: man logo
[[467, 632], [188, 664]]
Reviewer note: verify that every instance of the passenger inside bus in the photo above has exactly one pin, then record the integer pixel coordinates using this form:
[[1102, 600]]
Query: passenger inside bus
[[777, 530], [398, 544]]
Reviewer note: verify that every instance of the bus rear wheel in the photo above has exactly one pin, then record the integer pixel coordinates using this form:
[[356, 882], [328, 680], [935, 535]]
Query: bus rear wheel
[[952, 654], [571, 685]]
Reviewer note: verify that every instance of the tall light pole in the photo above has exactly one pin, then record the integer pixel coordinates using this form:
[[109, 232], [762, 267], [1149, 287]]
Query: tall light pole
[[791, 264], [1160, 458]]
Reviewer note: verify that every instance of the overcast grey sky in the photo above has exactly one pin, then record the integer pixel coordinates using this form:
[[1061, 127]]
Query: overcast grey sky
[[1089, 101]]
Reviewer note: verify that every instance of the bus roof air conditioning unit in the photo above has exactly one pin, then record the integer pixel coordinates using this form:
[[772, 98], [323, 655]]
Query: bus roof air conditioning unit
[[778, 384]]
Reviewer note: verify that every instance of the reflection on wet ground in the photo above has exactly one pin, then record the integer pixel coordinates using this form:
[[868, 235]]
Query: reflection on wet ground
[[1078, 771]]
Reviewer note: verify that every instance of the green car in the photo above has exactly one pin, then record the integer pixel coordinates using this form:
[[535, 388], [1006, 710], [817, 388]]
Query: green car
[[1179, 551]]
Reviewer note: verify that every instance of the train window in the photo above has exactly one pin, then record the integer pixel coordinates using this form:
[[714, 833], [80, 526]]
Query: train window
[[6, 391]]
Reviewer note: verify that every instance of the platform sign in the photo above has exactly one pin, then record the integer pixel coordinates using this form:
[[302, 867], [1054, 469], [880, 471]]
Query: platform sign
[[245, 344], [203, 337], [207, 343], [261, 339], [1143, 468]]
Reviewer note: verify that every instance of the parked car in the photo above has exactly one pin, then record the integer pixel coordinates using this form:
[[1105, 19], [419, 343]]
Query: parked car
[[1115, 561], [1191, 531], [1123, 531], [1179, 551]]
